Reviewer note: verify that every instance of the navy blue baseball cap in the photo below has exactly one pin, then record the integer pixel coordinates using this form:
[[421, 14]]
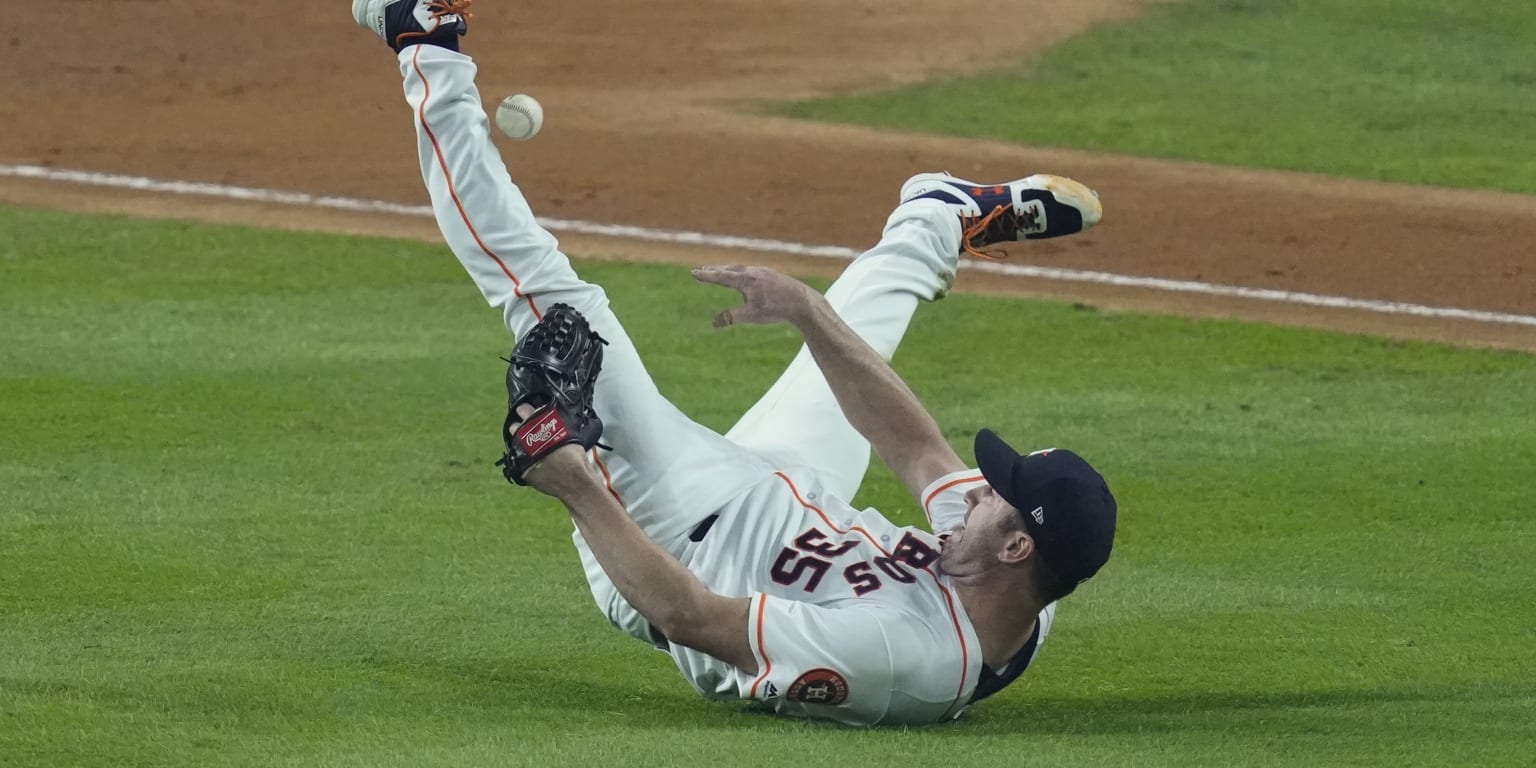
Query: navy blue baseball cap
[[1066, 505]]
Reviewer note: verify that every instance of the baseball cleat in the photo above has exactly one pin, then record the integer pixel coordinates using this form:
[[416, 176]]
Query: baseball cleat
[[1031, 208], [402, 23]]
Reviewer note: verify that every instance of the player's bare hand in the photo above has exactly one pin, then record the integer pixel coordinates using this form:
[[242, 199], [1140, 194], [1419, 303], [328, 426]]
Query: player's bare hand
[[768, 295]]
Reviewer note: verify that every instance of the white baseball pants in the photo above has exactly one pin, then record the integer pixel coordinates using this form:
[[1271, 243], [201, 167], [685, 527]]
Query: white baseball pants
[[667, 471]]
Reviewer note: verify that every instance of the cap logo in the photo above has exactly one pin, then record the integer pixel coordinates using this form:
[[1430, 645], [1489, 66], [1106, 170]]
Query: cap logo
[[1038, 513]]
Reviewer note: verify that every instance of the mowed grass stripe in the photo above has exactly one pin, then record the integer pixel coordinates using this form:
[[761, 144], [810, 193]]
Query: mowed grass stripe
[[248, 517], [1413, 91]]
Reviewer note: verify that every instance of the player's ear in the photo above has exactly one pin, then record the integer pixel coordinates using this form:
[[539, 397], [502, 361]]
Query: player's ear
[[1018, 546]]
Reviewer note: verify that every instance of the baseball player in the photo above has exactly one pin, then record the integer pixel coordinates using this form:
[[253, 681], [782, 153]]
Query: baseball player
[[739, 554]]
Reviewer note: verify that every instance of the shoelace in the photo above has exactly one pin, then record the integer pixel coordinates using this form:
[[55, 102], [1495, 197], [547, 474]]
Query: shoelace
[[974, 227], [438, 9]]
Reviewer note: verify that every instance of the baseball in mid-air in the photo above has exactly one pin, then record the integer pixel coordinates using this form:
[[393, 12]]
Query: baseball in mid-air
[[520, 117]]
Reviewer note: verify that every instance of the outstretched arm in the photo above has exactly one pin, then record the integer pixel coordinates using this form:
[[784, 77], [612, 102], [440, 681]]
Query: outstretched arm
[[655, 583], [876, 401]]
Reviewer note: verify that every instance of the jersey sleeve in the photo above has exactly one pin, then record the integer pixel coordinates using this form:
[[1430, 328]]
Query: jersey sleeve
[[944, 499], [837, 663]]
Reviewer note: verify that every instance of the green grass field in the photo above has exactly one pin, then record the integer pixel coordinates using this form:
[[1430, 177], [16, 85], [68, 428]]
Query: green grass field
[[1416, 91], [248, 517]]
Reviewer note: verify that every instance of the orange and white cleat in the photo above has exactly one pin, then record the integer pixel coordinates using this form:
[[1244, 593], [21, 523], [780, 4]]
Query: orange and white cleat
[[403, 23], [1031, 208]]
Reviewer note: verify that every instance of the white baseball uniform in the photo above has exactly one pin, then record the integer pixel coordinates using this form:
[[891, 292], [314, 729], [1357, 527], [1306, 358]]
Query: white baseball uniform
[[850, 618]]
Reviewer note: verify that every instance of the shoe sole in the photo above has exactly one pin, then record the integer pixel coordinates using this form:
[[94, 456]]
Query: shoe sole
[[1069, 192], [364, 11]]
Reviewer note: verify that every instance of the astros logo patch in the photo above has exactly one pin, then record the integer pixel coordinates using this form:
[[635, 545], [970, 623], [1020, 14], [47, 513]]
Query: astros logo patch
[[819, 686]]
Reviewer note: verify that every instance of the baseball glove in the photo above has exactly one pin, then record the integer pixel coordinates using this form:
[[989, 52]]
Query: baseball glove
[[554, 369]]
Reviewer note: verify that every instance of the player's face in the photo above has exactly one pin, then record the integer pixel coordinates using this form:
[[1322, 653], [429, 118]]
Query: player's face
[[989, 524]]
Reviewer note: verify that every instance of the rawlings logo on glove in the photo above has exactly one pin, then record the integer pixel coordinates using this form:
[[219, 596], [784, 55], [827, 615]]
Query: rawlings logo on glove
[[553, 369], [538, 432]]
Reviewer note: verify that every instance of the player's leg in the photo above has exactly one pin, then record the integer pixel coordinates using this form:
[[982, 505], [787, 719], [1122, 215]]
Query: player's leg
[[797, 424], [668, 471]]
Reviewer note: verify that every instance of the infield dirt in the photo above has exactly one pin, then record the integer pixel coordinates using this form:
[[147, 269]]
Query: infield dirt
[[647, 125]]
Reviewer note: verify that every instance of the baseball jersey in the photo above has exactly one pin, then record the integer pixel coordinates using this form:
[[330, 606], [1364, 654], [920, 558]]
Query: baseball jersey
[[850, 618]]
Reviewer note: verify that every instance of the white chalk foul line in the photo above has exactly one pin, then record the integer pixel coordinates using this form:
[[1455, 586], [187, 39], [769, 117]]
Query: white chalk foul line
[[302, 199]]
